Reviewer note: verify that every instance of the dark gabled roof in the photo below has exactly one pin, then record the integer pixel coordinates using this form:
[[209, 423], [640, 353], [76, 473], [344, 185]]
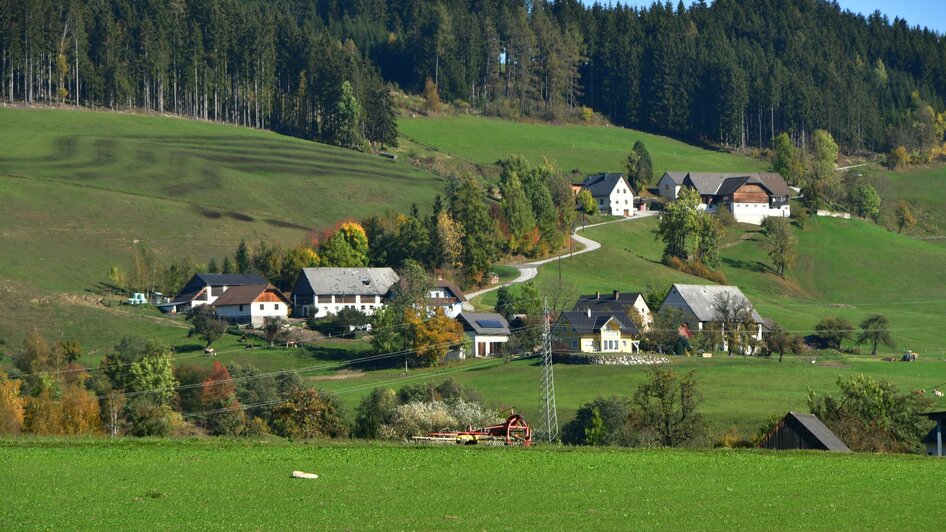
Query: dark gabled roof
[[245, 295], [602, 184], [485, 323], [819, 431], [676, 177], [607, 302], [583, 323], [201, 280], [457, 293]]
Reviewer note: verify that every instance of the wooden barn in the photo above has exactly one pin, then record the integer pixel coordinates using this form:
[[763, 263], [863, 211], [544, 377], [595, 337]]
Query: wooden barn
[[802, 431]]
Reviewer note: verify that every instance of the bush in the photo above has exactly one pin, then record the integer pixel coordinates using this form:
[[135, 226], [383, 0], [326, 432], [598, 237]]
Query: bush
[[601, 422], [694, 268], [898, 158], [418, 418], [309, 414], [725, 218], [801, 217]]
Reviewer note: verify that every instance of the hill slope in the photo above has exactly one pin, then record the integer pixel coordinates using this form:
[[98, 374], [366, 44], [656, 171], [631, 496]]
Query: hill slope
[[83, 188], [588, 149]]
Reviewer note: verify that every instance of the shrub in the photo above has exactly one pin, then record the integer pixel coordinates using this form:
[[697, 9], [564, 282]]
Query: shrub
[[601, 422], [309, 414], [417, 418], [898, 158]]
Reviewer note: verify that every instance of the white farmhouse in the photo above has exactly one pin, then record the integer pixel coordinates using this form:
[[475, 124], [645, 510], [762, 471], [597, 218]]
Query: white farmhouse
[[324, 291], [699, 305], [447, 296], [252, 304], [750, 198], [205, 288], [670, 183], [612, 193]]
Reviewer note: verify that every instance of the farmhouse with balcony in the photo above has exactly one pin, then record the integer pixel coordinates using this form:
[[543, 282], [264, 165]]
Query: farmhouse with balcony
[[749, 197], [447, 296], [700, 305], [252, 304], [617, 303], [612, 193], [205, 288], [324, 291], [602, 331]]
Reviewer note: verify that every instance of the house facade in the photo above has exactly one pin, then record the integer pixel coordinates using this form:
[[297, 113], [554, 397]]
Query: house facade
[[589, 331], [447, 296], [205, 288], [487, 331], [612, 193], [619, 303], [699, 306], [326, 291], [251, 305], [750, 198]]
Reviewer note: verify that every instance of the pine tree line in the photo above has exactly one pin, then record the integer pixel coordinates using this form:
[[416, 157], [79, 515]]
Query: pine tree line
[[734, 72]]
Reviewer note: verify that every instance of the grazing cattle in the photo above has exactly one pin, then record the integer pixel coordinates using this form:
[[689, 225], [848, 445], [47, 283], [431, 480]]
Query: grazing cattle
[[210, 351]]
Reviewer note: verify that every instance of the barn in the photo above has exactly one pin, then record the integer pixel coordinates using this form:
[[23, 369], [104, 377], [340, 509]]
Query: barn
[[802, 431]]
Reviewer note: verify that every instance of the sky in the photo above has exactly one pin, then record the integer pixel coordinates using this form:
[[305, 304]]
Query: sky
[[929, 13]]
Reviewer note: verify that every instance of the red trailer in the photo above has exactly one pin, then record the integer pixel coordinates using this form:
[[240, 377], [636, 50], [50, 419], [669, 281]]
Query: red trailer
[[514, 431]]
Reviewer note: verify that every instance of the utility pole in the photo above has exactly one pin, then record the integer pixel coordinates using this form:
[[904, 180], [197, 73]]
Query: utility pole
[[548, 428]]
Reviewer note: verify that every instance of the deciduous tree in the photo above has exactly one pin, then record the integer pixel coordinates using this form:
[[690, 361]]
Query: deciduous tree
[[875, 331]]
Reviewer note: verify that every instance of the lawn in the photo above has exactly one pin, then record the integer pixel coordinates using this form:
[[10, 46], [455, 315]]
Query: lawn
[[480, 140], [217, 484]]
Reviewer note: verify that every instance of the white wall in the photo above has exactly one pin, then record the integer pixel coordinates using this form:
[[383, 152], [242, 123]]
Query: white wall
[[754, 213], [487, 340], [325, 305], [254, 313], [668, 189]]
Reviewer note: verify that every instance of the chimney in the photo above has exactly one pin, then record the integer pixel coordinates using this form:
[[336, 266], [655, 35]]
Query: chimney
[[597, 295], [616, 295], [588, 310]]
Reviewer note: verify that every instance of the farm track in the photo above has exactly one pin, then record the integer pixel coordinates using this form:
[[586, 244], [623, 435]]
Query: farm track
[[530, 270]]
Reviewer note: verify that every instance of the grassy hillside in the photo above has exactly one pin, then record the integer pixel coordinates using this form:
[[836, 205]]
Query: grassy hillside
[[924, 188], [83, 188], [222, 484], [586, 148]]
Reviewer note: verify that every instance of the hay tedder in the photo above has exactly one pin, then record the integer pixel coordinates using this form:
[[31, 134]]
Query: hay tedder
[[514, 431]]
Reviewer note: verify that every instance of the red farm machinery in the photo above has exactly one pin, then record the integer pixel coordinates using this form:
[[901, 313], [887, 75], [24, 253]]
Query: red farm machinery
[[514, 431]]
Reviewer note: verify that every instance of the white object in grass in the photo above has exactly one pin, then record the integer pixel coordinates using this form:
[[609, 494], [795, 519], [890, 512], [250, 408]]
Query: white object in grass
[[300, 474]]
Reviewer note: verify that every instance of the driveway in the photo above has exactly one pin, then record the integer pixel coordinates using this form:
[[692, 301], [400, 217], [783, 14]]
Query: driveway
[[530, 270]]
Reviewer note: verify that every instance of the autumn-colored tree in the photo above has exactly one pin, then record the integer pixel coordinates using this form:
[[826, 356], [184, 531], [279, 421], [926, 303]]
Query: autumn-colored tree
[[12, 406], [225, 416], [43, 415], [345, 247], [449, 240], [432, 337], [80, 412], [309, 414], [904, 216], [297, 258], [431, 95]]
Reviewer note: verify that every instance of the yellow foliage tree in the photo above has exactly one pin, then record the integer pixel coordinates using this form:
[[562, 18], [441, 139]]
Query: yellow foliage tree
[[432, 336], [11, 406]]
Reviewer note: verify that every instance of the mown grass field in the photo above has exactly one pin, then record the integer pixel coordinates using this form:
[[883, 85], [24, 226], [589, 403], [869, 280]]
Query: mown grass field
[[82, 189], [163, 485], [589, 149], [923, 188]]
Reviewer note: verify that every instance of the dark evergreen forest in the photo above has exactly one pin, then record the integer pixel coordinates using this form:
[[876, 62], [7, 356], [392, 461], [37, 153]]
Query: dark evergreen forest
[[733, 72]]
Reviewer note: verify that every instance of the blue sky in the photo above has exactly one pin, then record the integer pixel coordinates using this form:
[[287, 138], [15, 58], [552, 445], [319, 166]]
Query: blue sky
[[929, 13]]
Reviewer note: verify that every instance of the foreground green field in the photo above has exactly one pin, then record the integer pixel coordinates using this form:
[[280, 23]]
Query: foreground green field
[[586, 148], [163, 485]]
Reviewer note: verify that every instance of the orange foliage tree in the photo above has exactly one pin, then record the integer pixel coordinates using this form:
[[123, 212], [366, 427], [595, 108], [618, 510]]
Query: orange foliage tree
[[225, 415], [432, 337], [11, 406]]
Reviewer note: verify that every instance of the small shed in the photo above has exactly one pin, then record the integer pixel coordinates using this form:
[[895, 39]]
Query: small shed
[[802, 431], [934, 440]]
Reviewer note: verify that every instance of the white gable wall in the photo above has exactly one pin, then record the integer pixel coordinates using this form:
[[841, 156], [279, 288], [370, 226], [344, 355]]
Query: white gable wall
[[620, 202], [253, 313]]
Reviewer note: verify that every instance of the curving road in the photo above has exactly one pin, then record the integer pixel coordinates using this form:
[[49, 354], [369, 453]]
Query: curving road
[[529, 270]]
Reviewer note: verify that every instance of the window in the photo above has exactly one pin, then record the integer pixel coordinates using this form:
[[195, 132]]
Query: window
[[362, 308], [276, 306], [241, 308], [262, 305], [574, 344]]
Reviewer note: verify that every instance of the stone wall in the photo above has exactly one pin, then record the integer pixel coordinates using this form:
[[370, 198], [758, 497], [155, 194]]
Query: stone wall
[[614, 359]]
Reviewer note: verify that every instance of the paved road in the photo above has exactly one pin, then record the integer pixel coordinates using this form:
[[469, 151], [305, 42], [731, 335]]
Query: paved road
[[529, 270]]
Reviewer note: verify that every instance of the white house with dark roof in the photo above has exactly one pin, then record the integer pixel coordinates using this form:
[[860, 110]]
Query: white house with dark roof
[[699, 305], [612, 193], [324, 291], [487, 331], [447, 296], [750, 197], [252, 304], [205, 288]]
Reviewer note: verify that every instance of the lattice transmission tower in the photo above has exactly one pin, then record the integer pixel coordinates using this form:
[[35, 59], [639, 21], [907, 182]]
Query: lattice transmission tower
[[548, 425]]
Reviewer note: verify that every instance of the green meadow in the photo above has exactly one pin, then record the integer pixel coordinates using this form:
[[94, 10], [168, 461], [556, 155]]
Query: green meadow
[[218, 484], [589, 149]]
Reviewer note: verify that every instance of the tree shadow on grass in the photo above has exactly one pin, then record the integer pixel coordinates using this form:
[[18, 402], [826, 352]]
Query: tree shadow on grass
[[753, 266]]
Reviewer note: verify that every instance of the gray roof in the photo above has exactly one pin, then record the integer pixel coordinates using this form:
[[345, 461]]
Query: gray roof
[[346, 281], [584, 322], [713, 184], [607, 301], [676, 177], [201, 280], [485, 323], [820, 431], [701, 299], [602, 184], [244, 295], [453, 288]]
